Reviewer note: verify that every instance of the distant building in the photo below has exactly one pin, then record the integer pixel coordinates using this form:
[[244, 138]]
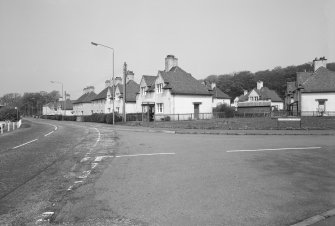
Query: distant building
[[259, 99], [59, 107], [218, 96], [82, 106], [313, 93]]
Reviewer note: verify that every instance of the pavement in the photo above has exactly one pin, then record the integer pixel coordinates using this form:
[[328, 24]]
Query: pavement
[[225, 132]]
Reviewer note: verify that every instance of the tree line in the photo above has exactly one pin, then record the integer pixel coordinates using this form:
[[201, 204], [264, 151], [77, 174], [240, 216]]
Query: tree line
[[233, 84], [28, 103]]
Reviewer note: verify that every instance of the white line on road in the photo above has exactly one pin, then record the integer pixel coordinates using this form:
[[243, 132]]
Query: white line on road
[[275, 149], [48, 133], [99, 135], [25, 143], [120, 156]]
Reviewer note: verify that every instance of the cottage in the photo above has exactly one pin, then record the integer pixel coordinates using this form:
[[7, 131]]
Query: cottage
[[59, 108], [103, 102], [82, 106], [173, 93], [260, 99], [313, 93]]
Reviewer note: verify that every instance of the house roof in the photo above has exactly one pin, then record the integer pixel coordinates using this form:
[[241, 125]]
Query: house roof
[[181, 82], [322, 80], [68, 104], [103, 93], [303, 76], [217, 93], [132, 89], [85, 98], [290, 87], [264, 94], [149, 79]]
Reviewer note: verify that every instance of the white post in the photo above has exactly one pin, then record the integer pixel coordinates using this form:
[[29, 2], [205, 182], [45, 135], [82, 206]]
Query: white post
[[13, 125], [1, 125], [8, 126]]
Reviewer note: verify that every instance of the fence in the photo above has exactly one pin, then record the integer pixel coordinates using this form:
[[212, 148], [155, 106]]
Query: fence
[[8, 126]]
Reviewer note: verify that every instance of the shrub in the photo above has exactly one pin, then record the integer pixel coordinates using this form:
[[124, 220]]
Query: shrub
[[223, 110], [7, 113]]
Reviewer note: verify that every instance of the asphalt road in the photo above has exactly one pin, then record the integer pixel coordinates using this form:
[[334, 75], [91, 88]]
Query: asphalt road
[[40, 163], [89, 174], [203, 184]]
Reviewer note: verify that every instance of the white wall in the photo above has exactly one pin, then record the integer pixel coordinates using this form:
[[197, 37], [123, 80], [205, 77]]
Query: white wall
[[183, 104], [217, 102], [309, 103], [279, 105]]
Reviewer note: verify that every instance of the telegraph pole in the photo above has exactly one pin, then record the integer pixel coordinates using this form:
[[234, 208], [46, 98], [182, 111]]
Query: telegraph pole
[[124, 91]]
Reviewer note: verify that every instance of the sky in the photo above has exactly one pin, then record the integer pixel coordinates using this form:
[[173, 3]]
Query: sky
[[49, 40]]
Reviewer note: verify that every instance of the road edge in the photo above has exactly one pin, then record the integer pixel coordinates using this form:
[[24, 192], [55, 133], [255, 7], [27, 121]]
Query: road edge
[[316, 218]]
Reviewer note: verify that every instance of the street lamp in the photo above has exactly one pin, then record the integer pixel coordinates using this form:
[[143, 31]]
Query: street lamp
[[113, 83], [62, 96], [17, 114]]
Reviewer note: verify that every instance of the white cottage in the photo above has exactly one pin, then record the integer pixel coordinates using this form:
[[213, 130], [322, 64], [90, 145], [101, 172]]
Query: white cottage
[[82, 106], [174, 93]]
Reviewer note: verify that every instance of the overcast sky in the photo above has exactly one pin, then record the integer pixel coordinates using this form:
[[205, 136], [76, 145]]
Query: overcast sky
[[43, 40]]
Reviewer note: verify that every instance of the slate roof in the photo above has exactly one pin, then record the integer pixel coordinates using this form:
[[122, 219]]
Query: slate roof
[[322, 80], [264, 94], [181, 82], [103, 94], [132, 89], [303, 76], [218, 94], [68, 104], [85, 98], [149, 79]]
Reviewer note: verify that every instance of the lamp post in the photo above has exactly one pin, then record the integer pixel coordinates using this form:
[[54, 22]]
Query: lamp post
[[62, 96], [113, 83], [17, 114]]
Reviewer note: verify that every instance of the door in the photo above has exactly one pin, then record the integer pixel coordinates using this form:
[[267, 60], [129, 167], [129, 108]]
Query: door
[[196, 111]]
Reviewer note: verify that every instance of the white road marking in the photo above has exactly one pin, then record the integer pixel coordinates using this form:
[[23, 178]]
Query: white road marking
[[99, 136], [70, 188], [94, 165], [85, 159], [275, 149], [79, 181], [25, 143], [48, 133], [85, 174], [99, 158], [47, 214], [120, 156]]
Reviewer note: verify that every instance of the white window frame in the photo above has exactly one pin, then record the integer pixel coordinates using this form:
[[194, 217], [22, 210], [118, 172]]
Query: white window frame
[[143, 91], [159, 88], [160, 107]]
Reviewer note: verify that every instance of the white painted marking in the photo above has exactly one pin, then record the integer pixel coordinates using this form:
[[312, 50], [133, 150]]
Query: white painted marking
[[99, 158], [99, 136], [70, 188], [85, 159], [47, 214], [120, 156], [48, 134], [85, 174], [94, 165], [25, 143], [276, 149], [79, 181]]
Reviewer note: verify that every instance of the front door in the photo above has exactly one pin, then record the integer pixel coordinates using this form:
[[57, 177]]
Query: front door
[[196, 111]]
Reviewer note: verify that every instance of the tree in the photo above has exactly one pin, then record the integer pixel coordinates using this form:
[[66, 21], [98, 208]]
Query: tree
[[11, 100]]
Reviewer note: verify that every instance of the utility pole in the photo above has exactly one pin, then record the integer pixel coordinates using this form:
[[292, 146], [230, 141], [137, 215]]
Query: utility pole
[[124, 91]]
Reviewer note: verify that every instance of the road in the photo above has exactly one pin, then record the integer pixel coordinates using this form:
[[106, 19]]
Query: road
[[147, 178]]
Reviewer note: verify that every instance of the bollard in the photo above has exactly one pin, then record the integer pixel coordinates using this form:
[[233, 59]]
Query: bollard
[[8, 126], [13, 125], [1, 127]]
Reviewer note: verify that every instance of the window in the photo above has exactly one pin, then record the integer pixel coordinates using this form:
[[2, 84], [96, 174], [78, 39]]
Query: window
[[143, 92], [118, 109], [159, 88], [160, 108]]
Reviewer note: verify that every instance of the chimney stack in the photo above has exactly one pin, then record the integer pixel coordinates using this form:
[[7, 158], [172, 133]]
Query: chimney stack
[[118, 80], [213, 85], [321, 62], [245, 92], [108, 83], [130, 76], [259, 85], [170, 62]]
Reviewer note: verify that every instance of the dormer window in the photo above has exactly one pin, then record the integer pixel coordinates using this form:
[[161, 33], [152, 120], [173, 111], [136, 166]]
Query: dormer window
[[159, 88]]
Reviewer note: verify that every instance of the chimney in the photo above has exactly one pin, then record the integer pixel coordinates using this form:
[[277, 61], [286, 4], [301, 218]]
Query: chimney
[[213, 85], [67, 96], [108, 83], [322, 62], [259, 85], [130, 76], [170, 61], [85, 90], [118, 80], [90, 89], [245, 92]]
